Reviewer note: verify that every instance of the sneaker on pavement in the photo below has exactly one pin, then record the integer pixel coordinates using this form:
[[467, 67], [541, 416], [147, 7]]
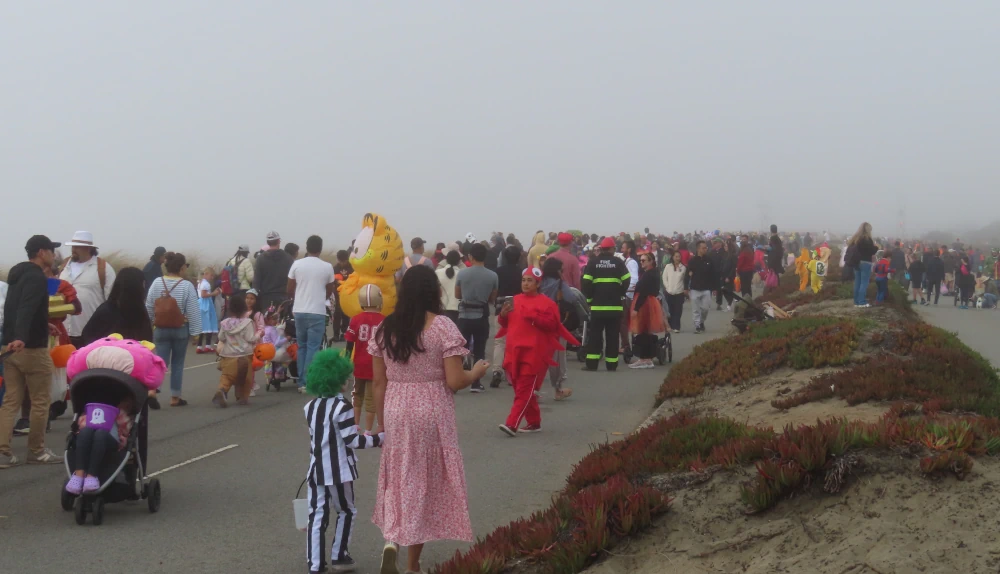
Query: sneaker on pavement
[[9, 460], [21, 427], [389, 554], [529, 429], [477, 388], [46, 457], [345, 564], [497, 379], [219, 400], [302, 390], [507, 430]]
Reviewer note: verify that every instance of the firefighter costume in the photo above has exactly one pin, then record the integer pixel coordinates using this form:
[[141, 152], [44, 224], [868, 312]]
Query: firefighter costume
[[605, 281]]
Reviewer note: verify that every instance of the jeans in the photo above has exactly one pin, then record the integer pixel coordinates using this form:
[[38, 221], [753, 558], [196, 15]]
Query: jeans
[[171, 346], [675, 307], [309, 329], [701, 301], [861, 278], [882, 285], [476, 333], [989, 300], [935, 288]]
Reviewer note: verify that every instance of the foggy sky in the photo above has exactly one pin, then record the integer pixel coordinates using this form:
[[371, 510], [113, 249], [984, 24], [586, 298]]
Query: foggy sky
[[202, 125]]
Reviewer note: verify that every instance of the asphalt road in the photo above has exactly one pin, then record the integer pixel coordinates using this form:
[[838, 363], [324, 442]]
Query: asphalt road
[[231, 511], [977, 328]]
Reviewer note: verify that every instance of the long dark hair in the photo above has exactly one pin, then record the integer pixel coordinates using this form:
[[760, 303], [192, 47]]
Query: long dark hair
[[453, 258], [419, 293], [552, 268], [128, 294]]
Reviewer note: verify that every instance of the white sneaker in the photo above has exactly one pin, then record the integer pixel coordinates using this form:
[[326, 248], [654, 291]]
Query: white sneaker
[[253, 392], [729, 308], [389, 554]]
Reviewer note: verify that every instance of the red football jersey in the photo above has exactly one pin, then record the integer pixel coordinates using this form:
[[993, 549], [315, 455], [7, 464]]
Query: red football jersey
[[359, 333]]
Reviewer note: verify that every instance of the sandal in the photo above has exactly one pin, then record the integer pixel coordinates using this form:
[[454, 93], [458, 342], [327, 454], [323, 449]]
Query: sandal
[[178, 402]]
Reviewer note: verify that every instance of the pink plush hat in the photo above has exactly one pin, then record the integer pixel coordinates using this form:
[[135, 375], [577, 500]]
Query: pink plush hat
[[133, 358]]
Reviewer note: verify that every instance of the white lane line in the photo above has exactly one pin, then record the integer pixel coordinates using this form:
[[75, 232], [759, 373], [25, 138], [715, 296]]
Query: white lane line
[[199, 366], [195, 459]]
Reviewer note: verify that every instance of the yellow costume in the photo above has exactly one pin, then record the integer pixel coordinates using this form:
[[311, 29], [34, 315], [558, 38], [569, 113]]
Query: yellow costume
[[376, 256], [802, 269], [818, 268]]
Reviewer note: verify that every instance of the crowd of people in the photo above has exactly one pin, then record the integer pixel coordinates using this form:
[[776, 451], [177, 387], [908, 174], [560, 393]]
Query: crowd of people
[[607, 294]]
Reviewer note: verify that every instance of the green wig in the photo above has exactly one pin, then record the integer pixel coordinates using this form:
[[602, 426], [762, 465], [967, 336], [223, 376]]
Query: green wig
[[328, 372]]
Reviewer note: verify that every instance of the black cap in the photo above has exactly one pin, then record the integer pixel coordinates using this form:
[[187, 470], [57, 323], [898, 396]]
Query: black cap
[[417, 243], [38, 242], [159, 251]]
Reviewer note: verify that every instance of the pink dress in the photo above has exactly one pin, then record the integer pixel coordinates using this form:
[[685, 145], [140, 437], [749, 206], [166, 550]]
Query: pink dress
[[421, 483]]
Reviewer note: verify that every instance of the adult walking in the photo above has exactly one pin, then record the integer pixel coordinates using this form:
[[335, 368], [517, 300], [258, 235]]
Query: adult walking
[[242, 269], [175, 322], [555, 287], [310, 281], [92, 278], [703, 280], [570, 263], [476, 288], [934, 275], [744, 268], [154, 267], [28, 371], [674, 281], [417, 366], [448, 276], [646, 314], [270, 277], [605, 280], [861, 261], [508, 286]]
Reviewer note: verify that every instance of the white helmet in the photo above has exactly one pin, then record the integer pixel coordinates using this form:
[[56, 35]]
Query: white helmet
[[370, 296]]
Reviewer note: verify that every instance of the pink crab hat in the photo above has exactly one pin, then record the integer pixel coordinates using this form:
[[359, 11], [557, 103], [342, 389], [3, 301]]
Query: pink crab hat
[[135, 358]]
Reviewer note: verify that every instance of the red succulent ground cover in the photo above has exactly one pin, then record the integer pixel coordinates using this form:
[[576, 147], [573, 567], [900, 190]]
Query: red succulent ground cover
[[800, 343]]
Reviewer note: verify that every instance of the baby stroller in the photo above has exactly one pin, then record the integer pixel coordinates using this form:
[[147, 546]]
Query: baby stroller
[[282, 365], [664, 350], [123, 472], [749, 313], [581, 332]]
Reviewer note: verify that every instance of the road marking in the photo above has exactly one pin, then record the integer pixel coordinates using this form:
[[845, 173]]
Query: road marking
[[199, 366], [195, 459]]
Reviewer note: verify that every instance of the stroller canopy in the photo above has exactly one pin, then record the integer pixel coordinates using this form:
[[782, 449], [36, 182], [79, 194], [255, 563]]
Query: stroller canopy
[[106, 386]]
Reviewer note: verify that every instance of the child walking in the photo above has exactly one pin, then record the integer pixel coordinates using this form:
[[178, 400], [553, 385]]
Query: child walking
[[358, 334], [237, 339], [333, 436], [209, 318], [882, 270]]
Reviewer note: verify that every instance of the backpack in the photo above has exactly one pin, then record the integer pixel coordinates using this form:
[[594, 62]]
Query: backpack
[[567, 312], [229, 276], [166, 313]]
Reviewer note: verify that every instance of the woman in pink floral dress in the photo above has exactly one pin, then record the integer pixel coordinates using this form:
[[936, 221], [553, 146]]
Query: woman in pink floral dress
[[417, 361]]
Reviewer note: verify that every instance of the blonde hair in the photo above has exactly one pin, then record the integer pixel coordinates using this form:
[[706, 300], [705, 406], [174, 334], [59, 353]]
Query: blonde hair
[[208, 270], [864, 232]]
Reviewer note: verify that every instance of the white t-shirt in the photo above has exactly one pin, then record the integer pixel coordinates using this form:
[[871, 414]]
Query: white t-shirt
[[311, 275]]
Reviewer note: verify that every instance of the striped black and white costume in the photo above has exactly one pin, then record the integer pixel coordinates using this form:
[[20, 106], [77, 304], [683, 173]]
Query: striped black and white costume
[[332, 471]]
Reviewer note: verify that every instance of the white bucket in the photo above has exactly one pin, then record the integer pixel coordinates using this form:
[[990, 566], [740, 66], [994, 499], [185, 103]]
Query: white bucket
[[301, 508]]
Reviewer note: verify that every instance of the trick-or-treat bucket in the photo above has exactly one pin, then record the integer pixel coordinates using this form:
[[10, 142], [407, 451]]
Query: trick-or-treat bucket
[[101, 416], [301, 508], [53, 285]]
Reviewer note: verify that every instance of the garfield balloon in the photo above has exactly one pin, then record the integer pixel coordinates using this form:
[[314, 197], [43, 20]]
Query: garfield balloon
[[376, 257]]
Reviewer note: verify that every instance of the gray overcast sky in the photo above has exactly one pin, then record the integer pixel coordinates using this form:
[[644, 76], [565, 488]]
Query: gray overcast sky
[[202, 125]]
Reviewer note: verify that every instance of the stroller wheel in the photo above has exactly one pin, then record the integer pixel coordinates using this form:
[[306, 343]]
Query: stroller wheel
[[79, 511], [98, 509], [153, 499], [66, 498], [661, 352]]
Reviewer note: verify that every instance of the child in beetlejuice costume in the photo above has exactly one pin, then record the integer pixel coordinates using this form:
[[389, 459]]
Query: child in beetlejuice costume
[[532, 325]]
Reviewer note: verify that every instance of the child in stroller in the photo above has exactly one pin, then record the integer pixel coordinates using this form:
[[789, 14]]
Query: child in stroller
[[110, 372], [285, 354]]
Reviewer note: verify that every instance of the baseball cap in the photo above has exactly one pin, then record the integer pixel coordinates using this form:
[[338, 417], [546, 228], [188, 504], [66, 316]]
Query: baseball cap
[[244, 247], [565, 239], [417, 243], [273, 236], [159, 251], [608, 243], [40, 242]]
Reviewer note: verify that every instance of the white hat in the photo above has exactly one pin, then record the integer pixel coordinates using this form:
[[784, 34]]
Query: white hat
[[273, 236], [81, 239], [470, 237]]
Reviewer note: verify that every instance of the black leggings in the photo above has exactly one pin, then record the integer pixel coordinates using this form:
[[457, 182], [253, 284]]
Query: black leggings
[[746, 283], [205, 339], [675, 306], [935, 288], [476, 333], [91, 446], [645, 345]]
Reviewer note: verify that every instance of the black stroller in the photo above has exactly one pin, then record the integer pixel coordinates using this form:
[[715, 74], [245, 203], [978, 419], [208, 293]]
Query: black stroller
[[751, 312], [123, 472]]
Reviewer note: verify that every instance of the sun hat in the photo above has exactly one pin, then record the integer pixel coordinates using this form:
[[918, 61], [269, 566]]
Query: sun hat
[[81, 239]]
